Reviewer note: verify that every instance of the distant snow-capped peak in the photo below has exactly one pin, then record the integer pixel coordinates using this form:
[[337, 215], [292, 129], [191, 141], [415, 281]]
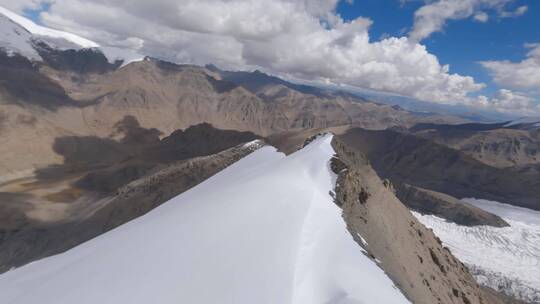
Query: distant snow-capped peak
[[43, 32], [18, 35]]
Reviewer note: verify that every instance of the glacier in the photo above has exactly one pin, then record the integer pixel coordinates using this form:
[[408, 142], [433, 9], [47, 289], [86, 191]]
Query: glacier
[[264, 230], [506, 259]]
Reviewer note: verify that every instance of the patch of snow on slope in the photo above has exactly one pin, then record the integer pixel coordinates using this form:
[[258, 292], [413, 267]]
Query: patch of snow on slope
[[15, 39], [507, 258], [264, 230]]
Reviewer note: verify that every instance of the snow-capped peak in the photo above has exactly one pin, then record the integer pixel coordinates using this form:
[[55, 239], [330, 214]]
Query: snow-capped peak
[[45, 32], [18, 35], [16, 39]]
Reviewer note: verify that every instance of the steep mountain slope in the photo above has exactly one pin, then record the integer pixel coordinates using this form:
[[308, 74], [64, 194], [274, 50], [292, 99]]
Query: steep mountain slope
[[268, 218], [411, 254], [105, 183]]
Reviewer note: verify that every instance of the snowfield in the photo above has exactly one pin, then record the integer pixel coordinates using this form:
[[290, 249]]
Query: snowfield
[[506, 259], [264, 230]]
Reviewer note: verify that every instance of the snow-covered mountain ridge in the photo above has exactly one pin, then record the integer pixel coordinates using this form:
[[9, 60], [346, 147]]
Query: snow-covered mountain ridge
[[19, 35], [263, 230]]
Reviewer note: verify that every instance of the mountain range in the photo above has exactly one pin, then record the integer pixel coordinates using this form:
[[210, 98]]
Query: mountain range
[[127, 178]]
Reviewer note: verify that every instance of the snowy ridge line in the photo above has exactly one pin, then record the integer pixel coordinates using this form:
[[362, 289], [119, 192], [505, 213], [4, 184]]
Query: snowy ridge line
[[306, 246], [39, 30], [265, 229]]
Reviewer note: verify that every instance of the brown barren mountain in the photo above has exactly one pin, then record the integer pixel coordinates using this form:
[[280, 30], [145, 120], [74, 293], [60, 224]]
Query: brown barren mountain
[[492, 144], [74, 94], [405, 158]]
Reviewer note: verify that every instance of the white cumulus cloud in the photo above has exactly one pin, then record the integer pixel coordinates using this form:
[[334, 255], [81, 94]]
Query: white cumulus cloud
[[515, 13], [433, 16], [524, 74], [301, 39], [507, 101], [481, 17]]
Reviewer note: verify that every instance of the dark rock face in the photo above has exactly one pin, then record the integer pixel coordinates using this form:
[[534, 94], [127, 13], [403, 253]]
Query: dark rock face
[[445, 206], [221, 86], [198, 140], [80, 61], [20, 80]]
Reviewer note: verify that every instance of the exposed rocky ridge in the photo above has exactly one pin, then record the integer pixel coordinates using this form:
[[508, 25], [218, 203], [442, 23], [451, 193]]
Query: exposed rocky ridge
[[496, 145], [408, 252], [86, 60], [444, 206], [24, 240], [420, 162]]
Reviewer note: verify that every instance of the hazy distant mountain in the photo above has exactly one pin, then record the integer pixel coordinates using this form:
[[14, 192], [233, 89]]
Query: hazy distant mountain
[[506, 144]]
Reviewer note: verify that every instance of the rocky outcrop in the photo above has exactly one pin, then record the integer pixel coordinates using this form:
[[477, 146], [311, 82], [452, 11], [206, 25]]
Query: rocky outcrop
[[409, 253], [447, 207]]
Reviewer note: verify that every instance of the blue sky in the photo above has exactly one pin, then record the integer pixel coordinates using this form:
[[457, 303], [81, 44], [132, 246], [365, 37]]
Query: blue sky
[[463, 42], [33, 14]]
